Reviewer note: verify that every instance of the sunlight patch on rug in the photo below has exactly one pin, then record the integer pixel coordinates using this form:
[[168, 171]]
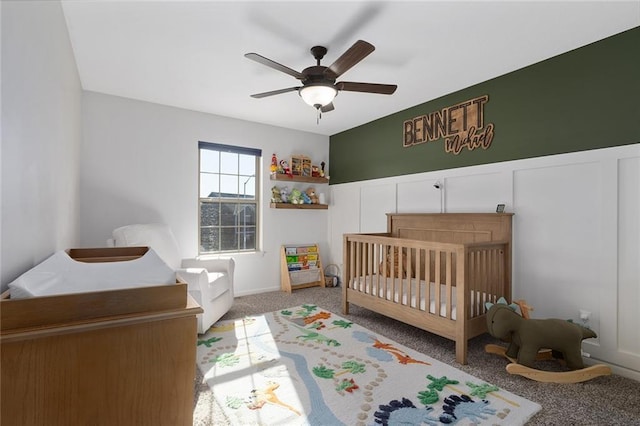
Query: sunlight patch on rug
[[308, 366]]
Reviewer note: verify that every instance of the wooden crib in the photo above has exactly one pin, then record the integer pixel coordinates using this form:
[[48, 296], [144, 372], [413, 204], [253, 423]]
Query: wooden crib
[[433, 271]]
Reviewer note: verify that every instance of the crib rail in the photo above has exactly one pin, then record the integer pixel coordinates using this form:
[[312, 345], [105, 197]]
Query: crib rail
[[441, 279]]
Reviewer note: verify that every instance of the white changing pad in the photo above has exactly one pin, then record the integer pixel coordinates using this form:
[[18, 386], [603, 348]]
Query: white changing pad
[[61, 274]]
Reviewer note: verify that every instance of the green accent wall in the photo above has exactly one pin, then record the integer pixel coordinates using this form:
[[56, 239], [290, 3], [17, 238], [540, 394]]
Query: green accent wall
[[584, 99]]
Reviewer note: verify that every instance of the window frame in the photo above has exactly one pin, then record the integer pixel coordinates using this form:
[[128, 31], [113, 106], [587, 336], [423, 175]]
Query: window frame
[[221, 199]]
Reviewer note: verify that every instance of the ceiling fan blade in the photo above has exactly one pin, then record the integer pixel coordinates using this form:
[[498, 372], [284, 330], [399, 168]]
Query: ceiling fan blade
[[327, 107], [383, 89], [274, 92], [272, 64], [360, 50], [363, 17]]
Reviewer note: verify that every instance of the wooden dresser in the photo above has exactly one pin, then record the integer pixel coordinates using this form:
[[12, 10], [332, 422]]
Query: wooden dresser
[[119, 357]]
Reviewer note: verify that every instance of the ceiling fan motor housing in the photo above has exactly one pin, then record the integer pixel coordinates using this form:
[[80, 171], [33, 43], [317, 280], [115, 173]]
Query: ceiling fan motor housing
[[315, 74]]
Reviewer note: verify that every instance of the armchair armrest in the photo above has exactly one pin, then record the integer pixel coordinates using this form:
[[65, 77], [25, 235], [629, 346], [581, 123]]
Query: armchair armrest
[[211, 265], [196, 278]]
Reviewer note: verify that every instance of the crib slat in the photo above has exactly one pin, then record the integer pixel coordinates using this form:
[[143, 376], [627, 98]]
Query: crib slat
[[493, 281], [477, 281], [504, 287], [398, 271], [486, 288], [369, 263], [419, 278], [482, 281], [428, 280], [377, 265], [409, 280], [486, 265], [468, 285], [448, 264], [352, 260], [387, 271], [438, 282], [358, 259]]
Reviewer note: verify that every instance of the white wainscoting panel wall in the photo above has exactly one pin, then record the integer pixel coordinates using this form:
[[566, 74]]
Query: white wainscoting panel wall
[[419, 196], [477, 192], [375, 202], [629, 258], [576, 233]]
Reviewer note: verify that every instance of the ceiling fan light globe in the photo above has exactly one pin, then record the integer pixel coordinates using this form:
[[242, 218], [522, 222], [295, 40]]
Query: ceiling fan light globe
[[318, 94]]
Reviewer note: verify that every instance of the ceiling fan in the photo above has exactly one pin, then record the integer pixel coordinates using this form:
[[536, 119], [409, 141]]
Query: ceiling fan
[[319, 86]]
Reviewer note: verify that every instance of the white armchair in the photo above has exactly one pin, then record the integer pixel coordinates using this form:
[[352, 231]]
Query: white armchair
[[210, 281]]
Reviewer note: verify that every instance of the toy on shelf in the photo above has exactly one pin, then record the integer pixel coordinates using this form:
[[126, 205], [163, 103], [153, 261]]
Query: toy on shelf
[[275, 195], [274, 163], [296, 196], [539, 339], [284, 194], [300, 165], [311, 193], [285, 168]]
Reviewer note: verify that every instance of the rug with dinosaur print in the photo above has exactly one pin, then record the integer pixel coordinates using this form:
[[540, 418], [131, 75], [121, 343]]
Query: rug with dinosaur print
[[308, 366]]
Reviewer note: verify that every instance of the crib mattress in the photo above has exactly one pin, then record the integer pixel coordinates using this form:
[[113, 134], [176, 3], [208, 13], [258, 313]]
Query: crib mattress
[[406, 293]]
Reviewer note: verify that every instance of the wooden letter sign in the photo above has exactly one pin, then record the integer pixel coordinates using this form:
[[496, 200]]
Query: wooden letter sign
[[461, 126]]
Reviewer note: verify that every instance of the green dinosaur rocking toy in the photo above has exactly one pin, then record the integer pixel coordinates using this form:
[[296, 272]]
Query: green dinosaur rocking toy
[[536, 339]]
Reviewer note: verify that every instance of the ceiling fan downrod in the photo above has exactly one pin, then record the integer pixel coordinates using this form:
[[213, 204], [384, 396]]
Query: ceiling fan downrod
[[318, 53]]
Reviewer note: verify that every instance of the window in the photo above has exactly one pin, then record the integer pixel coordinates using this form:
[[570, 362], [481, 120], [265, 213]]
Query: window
[[229, 198]]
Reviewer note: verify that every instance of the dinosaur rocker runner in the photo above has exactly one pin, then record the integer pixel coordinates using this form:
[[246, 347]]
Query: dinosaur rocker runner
[[533, 340]]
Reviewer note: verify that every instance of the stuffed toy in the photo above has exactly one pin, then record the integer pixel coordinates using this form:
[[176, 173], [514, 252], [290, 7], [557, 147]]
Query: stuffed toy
[[275, 195], [296, 196], [284, 194], [528, 336], [311, 192], [305, 198], [285, 168], [393, 270]]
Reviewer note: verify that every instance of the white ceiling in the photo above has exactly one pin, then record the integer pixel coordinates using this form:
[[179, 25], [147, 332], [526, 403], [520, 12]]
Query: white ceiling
[[190, 54]]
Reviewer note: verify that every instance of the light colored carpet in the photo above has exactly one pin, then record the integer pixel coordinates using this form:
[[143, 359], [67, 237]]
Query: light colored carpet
[[612, 400]]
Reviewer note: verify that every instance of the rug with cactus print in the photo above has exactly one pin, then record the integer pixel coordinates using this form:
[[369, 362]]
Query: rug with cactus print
[[308, 366]]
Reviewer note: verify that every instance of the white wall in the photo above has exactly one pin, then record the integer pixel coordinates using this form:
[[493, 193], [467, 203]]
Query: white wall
[[576, 233], [140, 164], [41, 136]]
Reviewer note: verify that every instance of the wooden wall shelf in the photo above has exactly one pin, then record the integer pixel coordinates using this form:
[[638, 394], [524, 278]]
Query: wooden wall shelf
[[299, 206], [297, 178]]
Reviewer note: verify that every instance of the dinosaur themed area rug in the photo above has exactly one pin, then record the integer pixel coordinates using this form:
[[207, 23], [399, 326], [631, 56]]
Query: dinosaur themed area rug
[[308, 366]]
